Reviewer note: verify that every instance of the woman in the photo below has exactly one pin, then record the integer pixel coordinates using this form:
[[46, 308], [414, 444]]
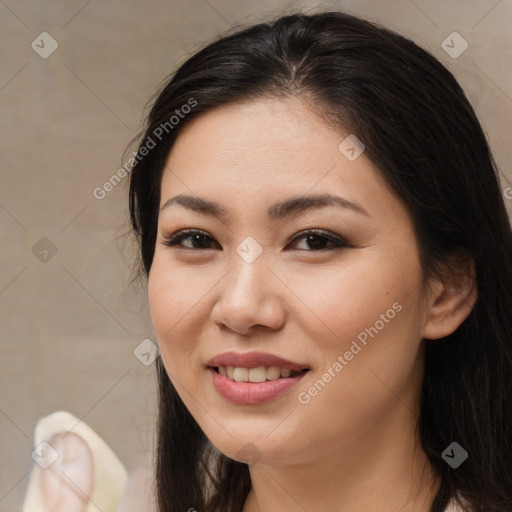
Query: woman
[[328, 260]]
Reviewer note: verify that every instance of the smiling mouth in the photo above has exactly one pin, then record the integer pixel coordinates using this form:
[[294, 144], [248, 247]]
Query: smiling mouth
[[259, 374]]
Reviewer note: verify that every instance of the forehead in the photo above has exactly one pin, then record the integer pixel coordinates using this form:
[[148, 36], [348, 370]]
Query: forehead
[[259, 151], [287, 127]]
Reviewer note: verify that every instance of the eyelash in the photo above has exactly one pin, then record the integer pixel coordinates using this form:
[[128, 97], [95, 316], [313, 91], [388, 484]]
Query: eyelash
[[337, 242]]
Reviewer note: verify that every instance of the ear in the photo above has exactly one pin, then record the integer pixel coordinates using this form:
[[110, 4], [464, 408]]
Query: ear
[[452, 298]]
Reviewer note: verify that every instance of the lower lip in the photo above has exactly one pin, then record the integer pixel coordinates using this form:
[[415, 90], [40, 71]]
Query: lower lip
[[252, 393]]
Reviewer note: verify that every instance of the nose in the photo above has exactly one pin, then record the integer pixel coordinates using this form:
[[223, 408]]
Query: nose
[[249, 296]]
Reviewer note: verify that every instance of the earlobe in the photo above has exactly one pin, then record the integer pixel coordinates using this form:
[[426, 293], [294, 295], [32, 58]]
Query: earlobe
[[451, 304]]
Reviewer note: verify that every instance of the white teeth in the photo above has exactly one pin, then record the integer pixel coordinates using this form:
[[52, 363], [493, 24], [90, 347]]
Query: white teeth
[[273, 372], [259, 374], [241, 374]]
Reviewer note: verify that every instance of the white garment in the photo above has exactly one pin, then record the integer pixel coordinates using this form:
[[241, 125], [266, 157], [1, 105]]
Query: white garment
[[451, 507]]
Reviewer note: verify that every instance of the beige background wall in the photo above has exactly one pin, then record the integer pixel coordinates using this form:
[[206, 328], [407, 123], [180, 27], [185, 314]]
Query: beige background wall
[[70, 321]]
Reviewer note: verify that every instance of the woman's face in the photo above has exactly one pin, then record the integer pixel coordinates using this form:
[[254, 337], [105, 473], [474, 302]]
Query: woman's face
[[254, 282]]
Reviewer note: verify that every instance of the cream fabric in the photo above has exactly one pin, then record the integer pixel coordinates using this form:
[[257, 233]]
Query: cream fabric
[[109, 473]]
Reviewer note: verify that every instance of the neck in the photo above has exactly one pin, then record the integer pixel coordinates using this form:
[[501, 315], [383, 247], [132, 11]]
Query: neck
[[385, 478]]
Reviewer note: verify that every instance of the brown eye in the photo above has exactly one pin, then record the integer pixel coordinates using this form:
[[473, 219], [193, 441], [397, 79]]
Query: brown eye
[[198, 239], [316, 240]]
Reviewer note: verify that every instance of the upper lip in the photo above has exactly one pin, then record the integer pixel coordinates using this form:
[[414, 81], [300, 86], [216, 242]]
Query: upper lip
[[253, 360]]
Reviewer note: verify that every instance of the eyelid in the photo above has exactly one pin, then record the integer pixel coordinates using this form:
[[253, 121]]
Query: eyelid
[[336, 241], [175, 239]]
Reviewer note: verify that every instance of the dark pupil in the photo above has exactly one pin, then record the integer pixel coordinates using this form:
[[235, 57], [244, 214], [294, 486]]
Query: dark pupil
[[319, 241], [197, 238], [314, 241]]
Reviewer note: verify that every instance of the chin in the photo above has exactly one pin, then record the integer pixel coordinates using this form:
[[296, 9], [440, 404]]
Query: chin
[[254, 450]]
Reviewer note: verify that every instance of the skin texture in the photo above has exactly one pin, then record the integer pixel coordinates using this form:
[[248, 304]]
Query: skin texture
[[355, 443]]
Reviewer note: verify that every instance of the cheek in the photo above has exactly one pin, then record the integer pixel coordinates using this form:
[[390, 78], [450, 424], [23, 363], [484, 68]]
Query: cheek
[[174, 301], [370, 329], [368, 360], [366, 332], [337, 305]]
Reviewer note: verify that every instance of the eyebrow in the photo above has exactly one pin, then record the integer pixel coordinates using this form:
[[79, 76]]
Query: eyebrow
[[292, 206]]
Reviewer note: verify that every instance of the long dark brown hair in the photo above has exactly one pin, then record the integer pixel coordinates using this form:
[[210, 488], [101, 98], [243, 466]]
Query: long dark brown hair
[[421, 132]]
